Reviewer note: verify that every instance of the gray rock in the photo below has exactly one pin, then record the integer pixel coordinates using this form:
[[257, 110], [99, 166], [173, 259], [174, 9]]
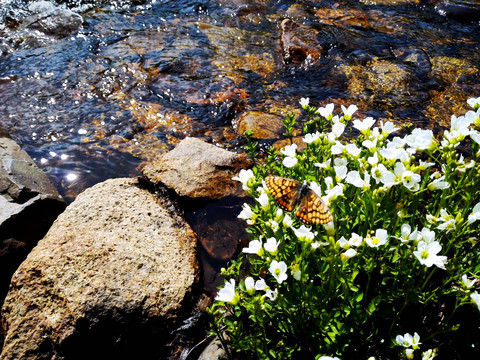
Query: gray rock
[[52, 20], [29, 204], [213, 351], [197, 169], [107, 282]]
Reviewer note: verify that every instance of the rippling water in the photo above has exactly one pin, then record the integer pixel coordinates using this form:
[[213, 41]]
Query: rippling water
[[136, 79]]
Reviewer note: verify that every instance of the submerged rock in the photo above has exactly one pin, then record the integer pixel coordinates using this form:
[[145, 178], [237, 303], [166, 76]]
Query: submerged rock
[[107, 281], [299, 43], [197, 169], [263, 125], [29, 204]]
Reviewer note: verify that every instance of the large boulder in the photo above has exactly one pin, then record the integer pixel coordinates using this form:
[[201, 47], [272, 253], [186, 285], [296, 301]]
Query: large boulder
[[29, 204], [197, 169], [107, 282]]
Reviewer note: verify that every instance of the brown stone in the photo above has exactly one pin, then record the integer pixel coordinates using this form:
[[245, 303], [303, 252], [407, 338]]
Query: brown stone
[[107, 281], [299, 43], [197, 169], [263, 125]]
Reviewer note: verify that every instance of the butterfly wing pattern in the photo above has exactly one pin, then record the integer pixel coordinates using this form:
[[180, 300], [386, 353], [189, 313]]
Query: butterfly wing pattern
[[289, 193]]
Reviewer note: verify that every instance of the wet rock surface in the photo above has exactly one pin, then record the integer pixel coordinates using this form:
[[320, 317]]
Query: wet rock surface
[[197, 169], [262, 125], [108, 280], [29, 203]]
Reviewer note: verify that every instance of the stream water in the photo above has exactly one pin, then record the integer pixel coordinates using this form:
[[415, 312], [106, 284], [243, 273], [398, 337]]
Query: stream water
[[138, 76], [95, 98]]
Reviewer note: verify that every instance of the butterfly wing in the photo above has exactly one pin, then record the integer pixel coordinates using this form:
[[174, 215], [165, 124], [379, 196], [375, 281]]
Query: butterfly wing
[[285, 191], [312, 209]]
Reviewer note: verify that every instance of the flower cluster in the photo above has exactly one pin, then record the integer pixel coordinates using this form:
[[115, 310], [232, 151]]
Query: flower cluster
[[405, 233]]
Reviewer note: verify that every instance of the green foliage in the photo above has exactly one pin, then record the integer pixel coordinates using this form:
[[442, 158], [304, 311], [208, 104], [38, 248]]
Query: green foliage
[[403, 243]]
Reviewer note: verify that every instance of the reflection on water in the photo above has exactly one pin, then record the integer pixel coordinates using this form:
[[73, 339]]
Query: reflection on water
[[138, 77]]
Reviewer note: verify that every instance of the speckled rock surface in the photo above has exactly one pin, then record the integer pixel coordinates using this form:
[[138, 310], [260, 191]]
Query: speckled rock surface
[[197, 169], [107, 281]]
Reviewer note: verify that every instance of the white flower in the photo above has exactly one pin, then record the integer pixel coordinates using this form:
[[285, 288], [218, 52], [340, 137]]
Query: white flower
[[271, 245], [304, 102], [467, 282], [353, 150], [337, 130], [354, 178], [476, 299], [278, 270], [254, 247], [429, 354], [348, 254], [426, 235], [340, 161], [381, 174], [438, 184], [325, 165], [289, 162], [365, 125], [373, 160], [475, 136], [407, 235], [287, 221], [333, 193], [296, 272], [474, 102], [260, 284], [379, 239], [348, 112], [304, 234], [271, 294], [393, 153], [427, 254], [421, 139], [475, 215], [409, 179], [337, 148], [387, 128], [245, 177], [263, 201], [408, 340], [370, 144], [289, 151], [459, 128], [425, 165], [340, 172], [310, 138], [447, 221], [355, 240], [250, 285], [247, 214], [272, 224], [228, 293], [326, 111]]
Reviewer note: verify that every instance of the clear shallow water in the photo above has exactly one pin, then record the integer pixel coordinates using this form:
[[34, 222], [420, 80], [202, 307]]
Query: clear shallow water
[[136, 79]]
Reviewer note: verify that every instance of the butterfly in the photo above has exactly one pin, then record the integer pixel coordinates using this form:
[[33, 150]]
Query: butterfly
[[289, 193]]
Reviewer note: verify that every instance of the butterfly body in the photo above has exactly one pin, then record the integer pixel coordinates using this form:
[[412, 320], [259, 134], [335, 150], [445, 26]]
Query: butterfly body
[[291, 193]]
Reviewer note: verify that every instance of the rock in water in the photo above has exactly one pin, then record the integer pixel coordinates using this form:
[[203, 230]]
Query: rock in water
[[197, 169], [106, 282]]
